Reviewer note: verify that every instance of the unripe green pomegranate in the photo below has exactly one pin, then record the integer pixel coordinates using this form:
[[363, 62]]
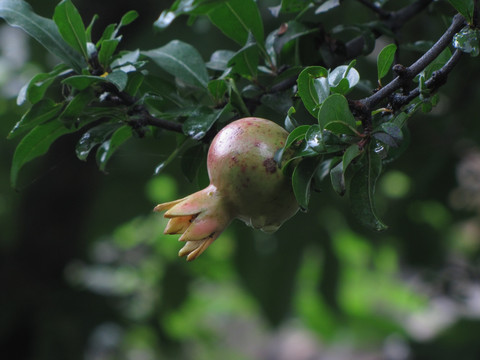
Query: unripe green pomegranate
[[245, 183]]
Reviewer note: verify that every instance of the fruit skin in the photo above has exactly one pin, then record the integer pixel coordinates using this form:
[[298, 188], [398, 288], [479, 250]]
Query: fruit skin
[[245, 183]]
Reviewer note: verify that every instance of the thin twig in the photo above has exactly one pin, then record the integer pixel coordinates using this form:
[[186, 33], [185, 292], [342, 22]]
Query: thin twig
[[382, 13], [392, 20], [438, 78], [367, 104]]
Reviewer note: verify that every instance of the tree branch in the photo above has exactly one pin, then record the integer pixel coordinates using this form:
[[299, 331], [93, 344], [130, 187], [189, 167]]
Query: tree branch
[[407, 74], [438, 78], [144, 116], [393, 20]]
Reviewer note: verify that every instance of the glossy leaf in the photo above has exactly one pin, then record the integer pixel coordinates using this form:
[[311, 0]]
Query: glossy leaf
[[327, 6], [362, 190], [118, 78], [340, 74], [108, 148], [390, 134], [351, 153], [106, 51], [93, 137], [39, 113], [464, 7], [19, 14], [76, 106], [81, 82], [200, 121], [219, 60], [238, 18], [313, 87], [36, 143], [335, 109], [302, 179], [181, 60], [217, 88], [35, 89], [385, 60], [290, 122], [245, 61], [71, 27], [314, 138]]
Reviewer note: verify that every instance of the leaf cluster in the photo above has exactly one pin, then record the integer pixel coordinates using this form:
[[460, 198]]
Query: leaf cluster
[[108, 95]]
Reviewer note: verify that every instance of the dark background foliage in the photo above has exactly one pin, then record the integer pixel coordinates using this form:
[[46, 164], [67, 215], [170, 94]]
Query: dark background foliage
[[86, 272]]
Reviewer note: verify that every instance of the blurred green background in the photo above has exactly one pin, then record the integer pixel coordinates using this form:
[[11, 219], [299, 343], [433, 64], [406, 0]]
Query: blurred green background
[[87, 273]]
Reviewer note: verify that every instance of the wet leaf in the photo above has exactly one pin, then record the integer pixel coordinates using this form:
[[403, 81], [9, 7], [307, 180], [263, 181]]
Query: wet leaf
[[362, 190], [20, 14], [302, 179], [313, 87], [39, 113], [181, 60], [108, 148]]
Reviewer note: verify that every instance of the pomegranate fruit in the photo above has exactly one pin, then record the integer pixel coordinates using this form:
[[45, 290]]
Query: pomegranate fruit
[[245, 183]]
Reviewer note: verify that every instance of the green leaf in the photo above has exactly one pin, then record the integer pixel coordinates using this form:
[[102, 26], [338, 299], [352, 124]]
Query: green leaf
[[135, 80], [464, 7], [219, 60], [245, 61], [76, 106], [337, 77], [39, 113], [351, 153], [340, 127], [313, 87], [292, 6], [118, 78], [35, 89], [327, 6], [362, 190], [182, 61], [290, 122], [93, 137], [88, 30], [106, 51], [385, 60], [71, 27], [19, 14], [108, 34], [295, 30], [337, 179], [201, 120], [36, 143], [128, 18], [108, 148], [335, 109], [81, 82], [297, 134], [390, 134], [302, 179], [218, 88], [238, 18], [314, 138]]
